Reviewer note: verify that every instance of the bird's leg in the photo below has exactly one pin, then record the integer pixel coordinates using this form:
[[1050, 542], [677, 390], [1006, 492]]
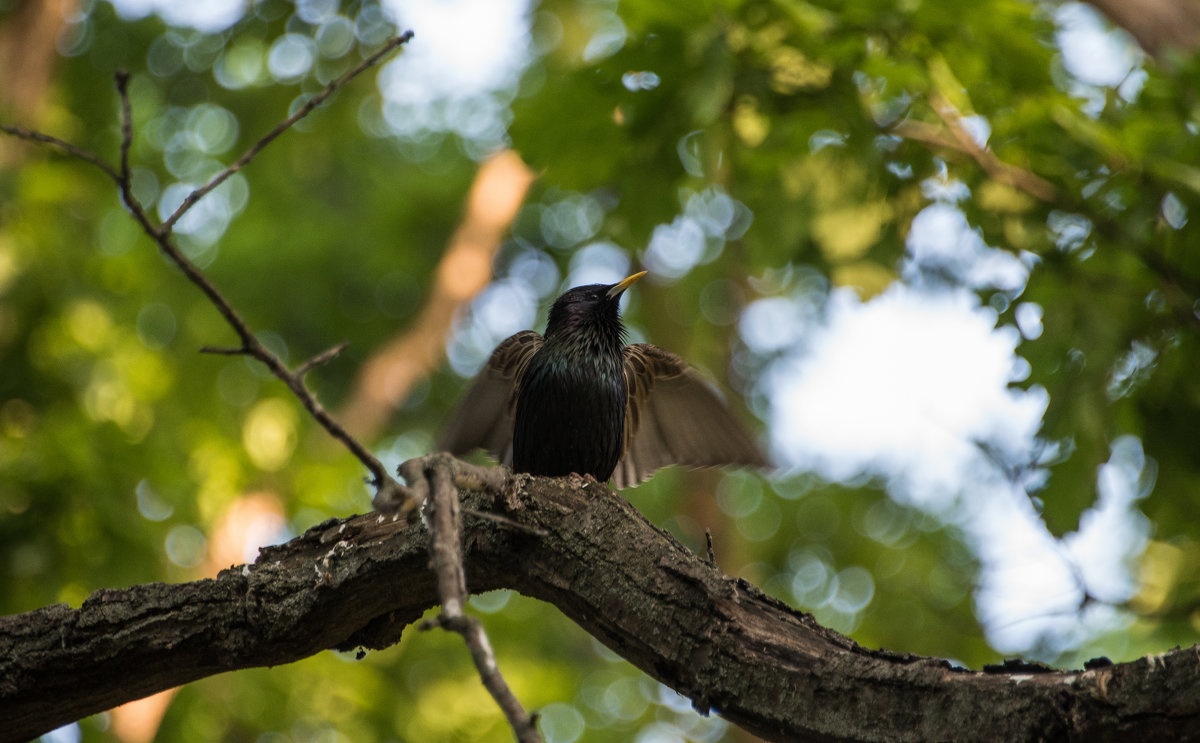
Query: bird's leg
[[579, 480]]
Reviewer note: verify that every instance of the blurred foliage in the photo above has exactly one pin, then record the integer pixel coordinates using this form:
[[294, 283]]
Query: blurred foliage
[[122, 447]]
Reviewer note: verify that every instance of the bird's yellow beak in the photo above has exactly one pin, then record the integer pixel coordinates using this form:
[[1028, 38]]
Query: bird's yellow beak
[[616, 289]]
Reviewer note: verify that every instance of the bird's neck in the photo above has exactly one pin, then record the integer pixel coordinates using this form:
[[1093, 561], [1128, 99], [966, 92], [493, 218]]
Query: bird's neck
[[588, 338]]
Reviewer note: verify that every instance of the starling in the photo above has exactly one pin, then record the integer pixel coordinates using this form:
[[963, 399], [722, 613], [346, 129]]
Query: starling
[[578, 400]]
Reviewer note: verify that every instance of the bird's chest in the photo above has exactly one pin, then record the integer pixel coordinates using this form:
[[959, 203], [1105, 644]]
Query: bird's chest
[[570, 417], [583, 390]]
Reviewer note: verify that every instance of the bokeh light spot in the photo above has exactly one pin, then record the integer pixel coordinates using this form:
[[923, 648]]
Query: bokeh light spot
[[241, 65], [269, 434], [214, 129], [150, 505], [598, 263], [156, 325], [290, 57], [635, 81], [491, 602], [186, 546], [856, 588], [316, 12], [561, 723], [335, 38]]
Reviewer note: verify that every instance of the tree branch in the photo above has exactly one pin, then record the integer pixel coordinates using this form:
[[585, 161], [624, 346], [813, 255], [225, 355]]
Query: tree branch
[[385, 485], [954, 137], [720, 641], [445, 523], [1180, 289], [320, 359], [1160, 26], [66, 147], [282, 127], [250, 345], [445, 546]]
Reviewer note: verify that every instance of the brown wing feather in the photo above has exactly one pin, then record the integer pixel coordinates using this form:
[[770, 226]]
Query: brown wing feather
[[675, 416], [484, 417]]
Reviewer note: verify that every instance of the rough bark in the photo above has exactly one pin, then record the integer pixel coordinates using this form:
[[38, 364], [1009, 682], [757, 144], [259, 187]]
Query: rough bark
[[764, 666]]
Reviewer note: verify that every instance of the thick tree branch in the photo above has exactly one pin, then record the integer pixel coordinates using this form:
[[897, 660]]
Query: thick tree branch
[[761, 664], [1160, 26]]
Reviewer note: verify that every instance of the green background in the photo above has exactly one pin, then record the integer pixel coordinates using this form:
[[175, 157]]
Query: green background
[[122, 447]]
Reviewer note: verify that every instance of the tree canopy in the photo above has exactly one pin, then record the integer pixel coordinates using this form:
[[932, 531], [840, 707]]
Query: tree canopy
[[942, 251]]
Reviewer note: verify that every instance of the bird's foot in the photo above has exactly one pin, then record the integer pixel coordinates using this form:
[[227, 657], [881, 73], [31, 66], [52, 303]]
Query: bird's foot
[[577, 479]]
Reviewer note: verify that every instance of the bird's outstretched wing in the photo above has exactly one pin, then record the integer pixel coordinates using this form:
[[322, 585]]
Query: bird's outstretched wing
[[675, 416], [484, 417]]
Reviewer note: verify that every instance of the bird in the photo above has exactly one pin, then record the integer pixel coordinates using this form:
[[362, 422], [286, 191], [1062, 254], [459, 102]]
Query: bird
[[578, 400]]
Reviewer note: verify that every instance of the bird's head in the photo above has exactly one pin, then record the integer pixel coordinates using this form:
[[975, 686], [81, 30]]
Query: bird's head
[[589, 308]]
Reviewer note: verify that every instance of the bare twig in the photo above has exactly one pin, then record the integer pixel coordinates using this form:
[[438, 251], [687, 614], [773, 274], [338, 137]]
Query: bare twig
[[442, 472], [283, 126], [222, 351], [445, 548], [250, 345], [322, 358], [67, 147], [387, 489], [122, 77]]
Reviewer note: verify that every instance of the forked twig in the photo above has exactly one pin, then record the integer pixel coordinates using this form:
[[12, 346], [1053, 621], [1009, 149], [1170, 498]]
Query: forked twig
[[32, 136], [387, 488], [322, 358], [250, 344], [435, 483], [281, 127], [440, 472]]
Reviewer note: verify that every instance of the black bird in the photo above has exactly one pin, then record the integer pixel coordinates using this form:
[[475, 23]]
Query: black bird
[[579, 400]]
